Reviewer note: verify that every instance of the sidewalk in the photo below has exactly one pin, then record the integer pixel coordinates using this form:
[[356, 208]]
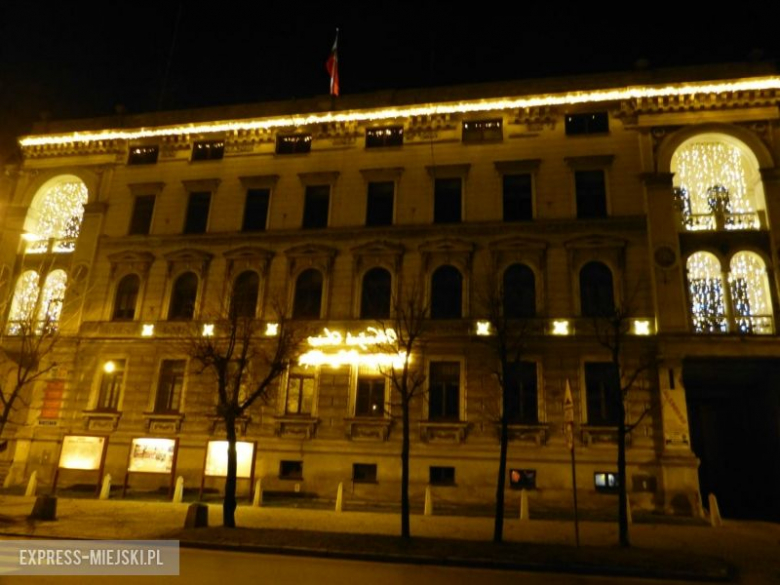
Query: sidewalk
[[660, 550]]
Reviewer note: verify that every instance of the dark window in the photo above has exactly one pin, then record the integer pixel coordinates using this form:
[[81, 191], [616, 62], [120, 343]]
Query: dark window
[[444, 391], [370, 399], [185, 291], [291, 470], [375, 294], [211, 150], [126, 297], [597, 297], [518, 204], [111, 386], [143, 155], [602, 386], [606, 481], [390, 136], [308, 295], [521, 393], [591, 194], [143, 208], [446, 293], [300, 394], [379, 210], [522, 479], [169, 386], [482, 130], [364, 472], [293, 144], [593, 123], [256, 210], [519, 292], [197, 212], [315, 207], [441, 475], [244, 300], [447, 201]]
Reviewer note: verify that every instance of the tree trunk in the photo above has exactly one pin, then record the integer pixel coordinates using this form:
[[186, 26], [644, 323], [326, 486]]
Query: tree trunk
[[621, 464], [405, 532], [498, 527], [229, 505]]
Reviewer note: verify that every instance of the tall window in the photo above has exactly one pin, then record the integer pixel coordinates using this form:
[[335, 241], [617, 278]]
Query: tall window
[[591, 189], [375, 294], [519, 292], [522, 404], [126, 298], [446, 293], [169, 386], [379, 209], [447, 200], [706, 291], [444, 391], [111, 380], [370, 399], [597, 295], [308, 295], [243, 303], [256, 210], [602, 387], [52, 297], [143, 208], [23, 304], [197, 212], [315, 206], [183, 296], [54, 218], [300, 393], [750, 297], [518, 197]]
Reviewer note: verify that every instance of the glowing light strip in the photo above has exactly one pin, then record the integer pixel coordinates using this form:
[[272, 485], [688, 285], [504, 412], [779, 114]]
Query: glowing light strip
[[487, 105]]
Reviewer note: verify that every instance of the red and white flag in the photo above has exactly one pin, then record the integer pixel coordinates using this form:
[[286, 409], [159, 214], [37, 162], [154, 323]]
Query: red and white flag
[[332, 65]]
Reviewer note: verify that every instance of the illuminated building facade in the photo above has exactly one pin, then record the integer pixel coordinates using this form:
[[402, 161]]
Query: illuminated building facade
[[653, 191]]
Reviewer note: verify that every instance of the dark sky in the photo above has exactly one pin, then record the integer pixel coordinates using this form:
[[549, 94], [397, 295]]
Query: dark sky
[[80, 59]]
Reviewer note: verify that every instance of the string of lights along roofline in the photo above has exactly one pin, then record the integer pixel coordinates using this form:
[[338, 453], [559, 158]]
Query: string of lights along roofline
[[462, 107]]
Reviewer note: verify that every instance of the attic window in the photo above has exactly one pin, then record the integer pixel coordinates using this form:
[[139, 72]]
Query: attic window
[[388, 136], [143, 155], [483, 131], [591, 123], [293, 144], [211, 150]]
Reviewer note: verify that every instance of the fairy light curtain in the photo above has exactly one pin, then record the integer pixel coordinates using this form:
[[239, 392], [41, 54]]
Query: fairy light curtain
[[56, 214], [750, 298], [705, 285]]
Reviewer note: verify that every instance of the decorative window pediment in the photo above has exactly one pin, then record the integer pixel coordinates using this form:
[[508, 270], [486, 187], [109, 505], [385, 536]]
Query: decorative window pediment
[[378, 253], [310, 256], [189, 259], [518, 250], [248, 258], [447, 251], [130, 261]]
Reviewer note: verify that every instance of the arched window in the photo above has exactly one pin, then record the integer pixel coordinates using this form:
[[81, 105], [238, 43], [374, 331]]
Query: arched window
[[308, 295], [705, 288], [375, 294], [446, 293], [597, 295], [23, 304], [55, 215], [750, 297], [245, 290], [126, 297], [52, 296], [183, 296], [519, 292]]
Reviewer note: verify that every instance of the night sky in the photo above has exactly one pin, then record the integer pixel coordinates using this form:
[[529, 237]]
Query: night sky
[[82, 59]]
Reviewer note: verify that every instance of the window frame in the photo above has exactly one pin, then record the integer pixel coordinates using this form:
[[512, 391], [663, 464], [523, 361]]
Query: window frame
[[299, 373], [300, 138], [586, 124], [615, 298], [134, 217], [445, 359], [159, 385], [371, 468], [443, 481], [98, 384], [384, 220], [355, 394], [294, 312], [586, 394], [249, 226], [190, 227], [436, 314], [145, 154], [291, 475], [396, 134], [476, 132], [232, 306], [537, 417], [115, 305], [206, 150], [363, 314], [194, 302]]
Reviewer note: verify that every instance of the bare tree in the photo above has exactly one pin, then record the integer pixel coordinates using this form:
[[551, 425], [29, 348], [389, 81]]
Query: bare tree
[[245, 362]]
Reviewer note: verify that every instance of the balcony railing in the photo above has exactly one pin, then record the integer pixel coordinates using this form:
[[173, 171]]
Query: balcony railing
[[740, 325], [51, 246], [697, 222]]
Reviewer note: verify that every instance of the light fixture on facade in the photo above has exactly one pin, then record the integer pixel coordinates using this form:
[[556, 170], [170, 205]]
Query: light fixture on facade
[[272, 329], [109, 367], [483, 327], [208, 330], [147, 330], [641, 327], [561, 327]]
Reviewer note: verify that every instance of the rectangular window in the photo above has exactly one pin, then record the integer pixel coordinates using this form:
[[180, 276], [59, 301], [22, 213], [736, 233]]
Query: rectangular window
[[592, 123], [518, 197], [441, 475], [483, 131], [291, 470], [143, 155], [197, 212], [447, 201], [522, 479], [169, 386], [370, 399], [602, 387], [256, 210], [111, 385], [293, 144], [379, 137], [591, 191], [444, 391], [364, 472], [606, 481], [379, 210], [315, 207], [300, 394], [208, 150], [521, 406], [143, 209]]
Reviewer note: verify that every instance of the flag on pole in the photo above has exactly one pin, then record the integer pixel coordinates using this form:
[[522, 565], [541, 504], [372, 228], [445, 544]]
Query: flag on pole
[[332, 65], [568, 416]]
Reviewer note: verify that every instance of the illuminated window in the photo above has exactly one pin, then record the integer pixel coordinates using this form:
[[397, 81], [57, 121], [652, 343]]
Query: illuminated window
[[438, 475], [379, 137], [256, 210], [706, 292], [447, 196], [606, 481], [522, 401], [446, 293], [111, 380], [522, 479], [379, 208], [483, 131], [54, 218], [293, 144], [519, 292], [375, 294], [750, 297], [183, 296], [52, 297], [300, 394], [308, 295], [602, 389], [315, 206], [364, 472], [23, 304], [597, 295], [444, 391], [243, 303], [143, 209], [518, 197], [197, 212], [208, 150], [591, 189], [169, 386], [370, 399], [126, 298], [591, 123], [143, 155]]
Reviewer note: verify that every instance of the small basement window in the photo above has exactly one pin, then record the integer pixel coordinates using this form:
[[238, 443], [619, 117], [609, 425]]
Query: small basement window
[[291, 470], [605, 482], [522, 479], [143, 155], [441, 475], [483, 131], [364, 472]]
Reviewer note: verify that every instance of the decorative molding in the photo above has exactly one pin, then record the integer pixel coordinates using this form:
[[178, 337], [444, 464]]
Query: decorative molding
[[287, 427], [368, 429], [443, 432]]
